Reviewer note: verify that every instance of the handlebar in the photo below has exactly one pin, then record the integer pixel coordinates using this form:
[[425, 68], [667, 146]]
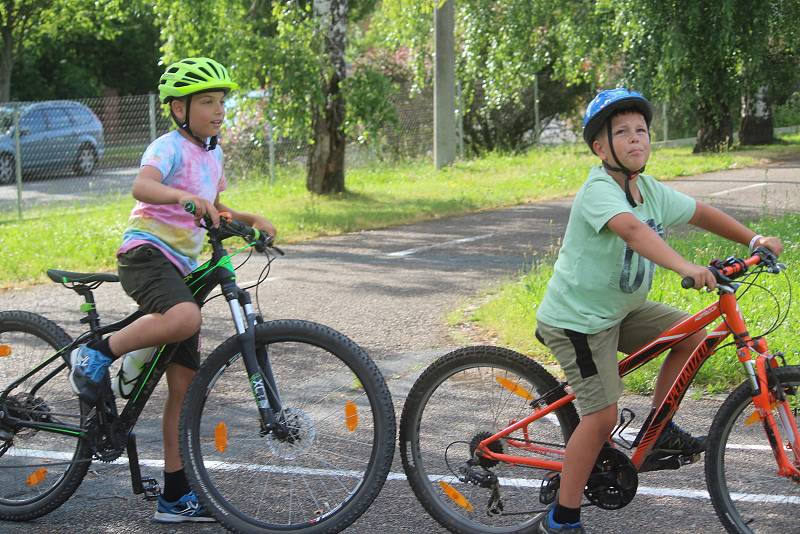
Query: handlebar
[[728, 270], [231, 228]]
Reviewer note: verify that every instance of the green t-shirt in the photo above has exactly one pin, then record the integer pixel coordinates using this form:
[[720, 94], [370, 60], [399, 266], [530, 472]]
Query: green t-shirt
[[598, 279]]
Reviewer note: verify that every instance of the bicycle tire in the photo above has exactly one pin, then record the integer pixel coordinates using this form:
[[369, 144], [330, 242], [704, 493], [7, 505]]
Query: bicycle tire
[[437, 416], [742, 506], [251, 489], [58, 463]]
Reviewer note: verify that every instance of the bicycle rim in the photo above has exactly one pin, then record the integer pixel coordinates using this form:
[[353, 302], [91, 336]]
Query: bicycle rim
[[748, 494], [462, 398], [39, 469], [339, 411]]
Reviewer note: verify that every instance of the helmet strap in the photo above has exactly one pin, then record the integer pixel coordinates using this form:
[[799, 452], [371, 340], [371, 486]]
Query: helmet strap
[[629, 175]]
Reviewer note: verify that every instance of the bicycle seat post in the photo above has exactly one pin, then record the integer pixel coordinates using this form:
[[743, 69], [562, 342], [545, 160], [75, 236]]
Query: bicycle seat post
[[92, 318]]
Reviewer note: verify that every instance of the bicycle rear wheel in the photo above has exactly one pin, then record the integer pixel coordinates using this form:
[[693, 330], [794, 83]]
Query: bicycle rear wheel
[[748, 494], [328, 472], [462, 398], [39, 470]]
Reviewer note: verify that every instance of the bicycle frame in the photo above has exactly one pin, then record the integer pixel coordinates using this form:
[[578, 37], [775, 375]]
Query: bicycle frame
[[217, 271], [758, 372]]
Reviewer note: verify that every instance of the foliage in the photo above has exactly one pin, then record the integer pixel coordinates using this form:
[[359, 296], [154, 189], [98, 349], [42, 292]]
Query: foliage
[[501, 49], [79, 61]]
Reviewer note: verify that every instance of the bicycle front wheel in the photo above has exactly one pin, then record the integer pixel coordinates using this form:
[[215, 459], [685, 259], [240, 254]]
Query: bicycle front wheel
[[39, 469], [461, 399], [332, 465], [742, 476]]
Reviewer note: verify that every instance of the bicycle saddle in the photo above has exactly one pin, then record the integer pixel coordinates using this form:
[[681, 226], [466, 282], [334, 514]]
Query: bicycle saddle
[[67, 277]]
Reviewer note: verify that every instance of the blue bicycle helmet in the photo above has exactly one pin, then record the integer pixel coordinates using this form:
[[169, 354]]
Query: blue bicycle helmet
[[606, 103], [599, 110]]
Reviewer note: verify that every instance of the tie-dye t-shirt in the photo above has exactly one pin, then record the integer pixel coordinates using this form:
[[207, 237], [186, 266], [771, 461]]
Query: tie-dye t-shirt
[[186, 166]]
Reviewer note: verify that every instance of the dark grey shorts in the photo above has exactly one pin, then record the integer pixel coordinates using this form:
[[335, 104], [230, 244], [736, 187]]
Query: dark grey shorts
[[150, 279]]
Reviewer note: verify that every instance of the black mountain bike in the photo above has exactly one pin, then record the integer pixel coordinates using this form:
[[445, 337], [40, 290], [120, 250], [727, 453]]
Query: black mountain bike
[[288, 425]]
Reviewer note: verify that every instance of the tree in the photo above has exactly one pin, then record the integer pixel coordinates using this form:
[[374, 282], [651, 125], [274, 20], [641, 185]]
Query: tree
[[502, 48], [769, 57], [23, 22]]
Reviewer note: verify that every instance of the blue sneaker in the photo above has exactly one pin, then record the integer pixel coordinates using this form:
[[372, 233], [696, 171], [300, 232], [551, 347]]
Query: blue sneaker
[[89, 366], [544, 524], [187, 508]]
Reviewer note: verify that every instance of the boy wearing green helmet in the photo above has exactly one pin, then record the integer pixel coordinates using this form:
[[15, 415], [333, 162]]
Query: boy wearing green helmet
[[589, 312], [160, 246]]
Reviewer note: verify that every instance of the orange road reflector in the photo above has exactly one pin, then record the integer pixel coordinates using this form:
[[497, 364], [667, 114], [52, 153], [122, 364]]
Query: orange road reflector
[[755, 417], [37, 477], [5, 350], [456, 496], [221, 436], [351, 415], [514, 388]]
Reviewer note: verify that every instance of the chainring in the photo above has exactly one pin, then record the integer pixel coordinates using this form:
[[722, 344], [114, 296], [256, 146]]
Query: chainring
[[495, 446], [614, 480]]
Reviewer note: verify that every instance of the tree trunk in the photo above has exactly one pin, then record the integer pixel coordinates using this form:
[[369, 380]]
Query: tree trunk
[[326, 157], [756, 127], [716, 126], [6, 63]]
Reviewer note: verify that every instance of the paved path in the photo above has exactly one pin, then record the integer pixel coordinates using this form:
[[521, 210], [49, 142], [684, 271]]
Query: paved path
[[390, 290]]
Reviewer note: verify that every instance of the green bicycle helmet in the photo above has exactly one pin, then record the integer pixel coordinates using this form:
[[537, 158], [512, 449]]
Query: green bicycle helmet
[[193, 75]]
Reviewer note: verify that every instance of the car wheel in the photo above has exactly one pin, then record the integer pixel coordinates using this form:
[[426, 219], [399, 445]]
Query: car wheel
[[8, 169], [85, 161]]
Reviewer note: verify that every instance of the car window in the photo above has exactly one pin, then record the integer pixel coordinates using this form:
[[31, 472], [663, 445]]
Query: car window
[[79, 115], [34, 121], [57, 119]]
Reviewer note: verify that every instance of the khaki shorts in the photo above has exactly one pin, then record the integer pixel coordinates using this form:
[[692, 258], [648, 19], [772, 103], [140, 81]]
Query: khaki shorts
[[590, 360]]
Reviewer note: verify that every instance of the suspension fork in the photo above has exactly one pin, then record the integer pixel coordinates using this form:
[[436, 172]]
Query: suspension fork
[[259, 370], [764, 405]]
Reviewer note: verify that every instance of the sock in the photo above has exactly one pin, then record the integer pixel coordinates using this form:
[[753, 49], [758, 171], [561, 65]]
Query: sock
[[565, 516], [175, 486], [104, 347]]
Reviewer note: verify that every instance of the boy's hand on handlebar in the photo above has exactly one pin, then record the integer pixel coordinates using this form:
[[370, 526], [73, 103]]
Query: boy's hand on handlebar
[[202, 207], [772, 243], [701, 275], [263, 225]]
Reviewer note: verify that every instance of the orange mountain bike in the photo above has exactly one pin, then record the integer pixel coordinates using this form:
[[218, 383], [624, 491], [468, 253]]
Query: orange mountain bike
[[479, 419]]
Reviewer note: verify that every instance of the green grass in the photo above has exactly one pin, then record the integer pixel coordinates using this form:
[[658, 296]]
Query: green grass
[[508, 313], [85, 238]]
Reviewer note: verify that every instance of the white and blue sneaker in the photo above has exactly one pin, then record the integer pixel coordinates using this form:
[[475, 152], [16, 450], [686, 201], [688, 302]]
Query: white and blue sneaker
[[185, 509], [89, 366]]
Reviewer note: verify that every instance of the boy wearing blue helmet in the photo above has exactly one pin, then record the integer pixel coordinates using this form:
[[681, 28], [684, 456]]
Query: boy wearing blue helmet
[[616, 227]]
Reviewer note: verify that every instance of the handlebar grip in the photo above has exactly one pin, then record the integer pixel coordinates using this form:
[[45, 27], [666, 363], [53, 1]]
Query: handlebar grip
[[687, 282], [189, 207]]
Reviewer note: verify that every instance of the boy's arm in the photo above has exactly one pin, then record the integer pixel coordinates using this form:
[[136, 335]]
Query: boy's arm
[[718, 222], [646, 242], [256, 221], [148, 188]]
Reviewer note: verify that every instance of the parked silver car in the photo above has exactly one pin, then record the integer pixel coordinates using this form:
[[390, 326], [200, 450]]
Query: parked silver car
[[54, 136]]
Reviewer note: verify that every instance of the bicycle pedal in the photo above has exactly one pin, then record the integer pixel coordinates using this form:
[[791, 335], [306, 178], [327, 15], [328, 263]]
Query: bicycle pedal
[[151, 489], [549, 488]]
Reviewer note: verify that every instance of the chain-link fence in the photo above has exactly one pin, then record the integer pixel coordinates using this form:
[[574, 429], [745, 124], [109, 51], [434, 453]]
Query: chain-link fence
[[83, 151], [77, 152]]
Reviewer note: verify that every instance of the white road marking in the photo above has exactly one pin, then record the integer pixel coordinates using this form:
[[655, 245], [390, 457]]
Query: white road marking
[[514, 482], [718, 193], [410, 251]]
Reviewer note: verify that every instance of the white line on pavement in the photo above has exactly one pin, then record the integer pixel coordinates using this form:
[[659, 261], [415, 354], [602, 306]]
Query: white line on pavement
[[410, 251], [515, 482], [718, 193]]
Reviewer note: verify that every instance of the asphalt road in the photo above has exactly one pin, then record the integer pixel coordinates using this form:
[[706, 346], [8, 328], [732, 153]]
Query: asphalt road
[[389, 290]]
